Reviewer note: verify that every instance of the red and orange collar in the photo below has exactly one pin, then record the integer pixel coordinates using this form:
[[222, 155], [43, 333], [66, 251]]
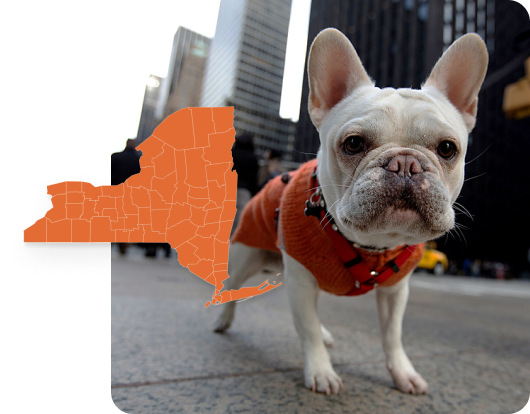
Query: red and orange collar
[[352, 257]]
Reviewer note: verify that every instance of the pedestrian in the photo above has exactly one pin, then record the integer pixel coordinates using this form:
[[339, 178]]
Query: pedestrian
[[125, 163], [273, 159], [500, 271], [466, 266], [151, 249], [487, 268], [475, 268], [246, 166], [453, 267]]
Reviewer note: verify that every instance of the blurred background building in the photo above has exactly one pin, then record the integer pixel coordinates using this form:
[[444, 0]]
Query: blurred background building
[[399, 41], [148, 120], [497, 191], [245, 69], [182, 86]]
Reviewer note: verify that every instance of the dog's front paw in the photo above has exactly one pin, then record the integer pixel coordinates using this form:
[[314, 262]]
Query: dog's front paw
[[322, 378], [411, 383], [406, 378]]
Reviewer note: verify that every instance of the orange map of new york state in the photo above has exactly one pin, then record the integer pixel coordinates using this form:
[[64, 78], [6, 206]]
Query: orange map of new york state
[[185, 195]]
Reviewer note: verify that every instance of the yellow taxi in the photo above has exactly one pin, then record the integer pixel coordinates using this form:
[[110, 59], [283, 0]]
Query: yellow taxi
[[433, 259]]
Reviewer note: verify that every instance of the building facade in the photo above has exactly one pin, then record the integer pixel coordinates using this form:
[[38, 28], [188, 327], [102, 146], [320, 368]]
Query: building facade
[[183, 85], [245, 68], [496, 188], [187, 92], [148, 119]]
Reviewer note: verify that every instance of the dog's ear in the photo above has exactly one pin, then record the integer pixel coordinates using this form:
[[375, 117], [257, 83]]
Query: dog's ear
[[334, 71], [459, 74]]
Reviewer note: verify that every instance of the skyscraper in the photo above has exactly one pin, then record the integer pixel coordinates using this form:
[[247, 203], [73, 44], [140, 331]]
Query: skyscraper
[[245, 68], [497, 176], [148, 121], [181, 88], [185, 92], [187, 58]]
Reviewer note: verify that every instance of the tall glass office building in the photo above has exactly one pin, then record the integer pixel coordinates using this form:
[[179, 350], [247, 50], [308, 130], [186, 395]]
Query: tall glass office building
[[245, 68]]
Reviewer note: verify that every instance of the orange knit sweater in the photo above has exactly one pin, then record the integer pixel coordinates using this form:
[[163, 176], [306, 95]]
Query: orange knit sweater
[[302, 237]]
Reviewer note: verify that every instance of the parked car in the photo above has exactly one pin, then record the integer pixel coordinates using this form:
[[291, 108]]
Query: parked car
[[433, 260]]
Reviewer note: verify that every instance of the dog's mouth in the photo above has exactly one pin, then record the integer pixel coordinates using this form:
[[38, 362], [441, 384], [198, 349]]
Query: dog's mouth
[[420, 206], [404, 208], [404, 202], [400, 212]]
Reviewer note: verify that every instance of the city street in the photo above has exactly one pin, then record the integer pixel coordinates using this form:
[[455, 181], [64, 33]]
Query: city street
[[468, 337]]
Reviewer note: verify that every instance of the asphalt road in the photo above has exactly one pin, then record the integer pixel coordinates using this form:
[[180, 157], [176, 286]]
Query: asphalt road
[[469, 338]]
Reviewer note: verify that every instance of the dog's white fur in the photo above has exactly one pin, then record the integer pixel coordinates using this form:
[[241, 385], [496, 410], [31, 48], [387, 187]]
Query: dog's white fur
[[402, 130]]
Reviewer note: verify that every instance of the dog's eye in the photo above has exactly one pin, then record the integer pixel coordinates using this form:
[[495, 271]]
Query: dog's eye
[[446, 149], [353, 144]]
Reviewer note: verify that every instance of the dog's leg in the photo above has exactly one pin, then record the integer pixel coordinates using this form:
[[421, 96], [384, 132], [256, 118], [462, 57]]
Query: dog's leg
[[302, 289], [326, 336], [243, 262], [391, 303]]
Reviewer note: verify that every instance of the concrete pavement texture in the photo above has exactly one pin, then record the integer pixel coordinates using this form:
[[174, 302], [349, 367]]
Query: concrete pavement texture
[[469, 339]]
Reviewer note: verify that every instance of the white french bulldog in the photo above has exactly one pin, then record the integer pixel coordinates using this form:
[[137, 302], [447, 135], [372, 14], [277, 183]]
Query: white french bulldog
[[390, 167]]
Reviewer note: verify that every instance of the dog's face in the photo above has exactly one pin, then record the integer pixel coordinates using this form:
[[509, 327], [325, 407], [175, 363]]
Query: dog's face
[[391, 161]]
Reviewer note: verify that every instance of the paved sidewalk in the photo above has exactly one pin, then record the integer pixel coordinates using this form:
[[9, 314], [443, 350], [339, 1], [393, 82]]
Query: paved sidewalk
[[472, 348]]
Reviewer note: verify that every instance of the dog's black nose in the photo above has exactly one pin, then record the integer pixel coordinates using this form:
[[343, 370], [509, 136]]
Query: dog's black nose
[[404, 165]]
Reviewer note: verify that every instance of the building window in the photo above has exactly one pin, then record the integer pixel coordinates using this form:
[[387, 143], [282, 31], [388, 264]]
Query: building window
[[448, 34], [471, 10], [490, 27], [459, 22], [423, 11], [481, 19], [448, 13]]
